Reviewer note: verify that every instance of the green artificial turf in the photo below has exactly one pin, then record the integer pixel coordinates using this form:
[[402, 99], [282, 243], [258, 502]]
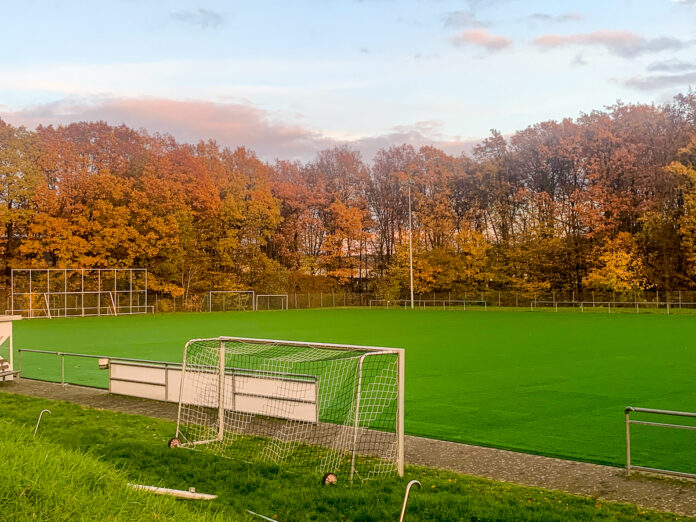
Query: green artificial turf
[[77, 467], [540, 382]]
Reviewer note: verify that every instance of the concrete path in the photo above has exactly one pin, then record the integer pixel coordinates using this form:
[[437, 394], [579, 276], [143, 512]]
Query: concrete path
[[579, 478]]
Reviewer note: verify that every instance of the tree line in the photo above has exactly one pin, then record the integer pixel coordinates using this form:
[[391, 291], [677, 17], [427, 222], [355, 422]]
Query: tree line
[[604, 201]]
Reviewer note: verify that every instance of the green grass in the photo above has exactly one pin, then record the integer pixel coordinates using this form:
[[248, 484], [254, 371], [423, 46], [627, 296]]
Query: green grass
[[540, 382], [45, 481], [83, 457]]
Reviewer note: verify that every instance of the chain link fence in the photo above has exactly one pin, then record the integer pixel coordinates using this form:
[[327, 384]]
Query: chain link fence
[[646, 300]]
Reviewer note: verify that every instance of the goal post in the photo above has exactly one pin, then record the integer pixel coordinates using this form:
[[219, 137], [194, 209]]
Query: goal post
[[271, 302], [230, 300], [309, 407]]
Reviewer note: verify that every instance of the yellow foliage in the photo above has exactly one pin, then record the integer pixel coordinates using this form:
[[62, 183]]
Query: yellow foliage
[[619, 269]]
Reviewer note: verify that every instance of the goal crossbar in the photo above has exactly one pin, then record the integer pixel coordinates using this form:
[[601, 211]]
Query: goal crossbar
[[284, 301]]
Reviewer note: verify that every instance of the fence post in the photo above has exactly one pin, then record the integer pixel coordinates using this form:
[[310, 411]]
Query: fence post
[[62, 369], [628, 442]]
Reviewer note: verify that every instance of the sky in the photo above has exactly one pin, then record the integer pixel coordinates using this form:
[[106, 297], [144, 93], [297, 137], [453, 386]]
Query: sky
[[289, 78]]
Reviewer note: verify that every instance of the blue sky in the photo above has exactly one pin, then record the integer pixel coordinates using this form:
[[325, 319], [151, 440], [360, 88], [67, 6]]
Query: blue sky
[[289, 78]]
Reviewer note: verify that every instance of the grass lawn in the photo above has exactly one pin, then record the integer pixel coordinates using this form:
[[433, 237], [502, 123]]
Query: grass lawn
[[45, 481], [540, 382], [78, 466]]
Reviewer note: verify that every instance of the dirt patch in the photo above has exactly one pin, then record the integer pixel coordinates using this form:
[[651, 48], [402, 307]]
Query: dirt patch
[[579, 478]]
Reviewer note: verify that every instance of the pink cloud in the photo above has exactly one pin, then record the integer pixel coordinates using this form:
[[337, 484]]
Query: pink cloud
[[229, 124], [481, 38], [622, 43]]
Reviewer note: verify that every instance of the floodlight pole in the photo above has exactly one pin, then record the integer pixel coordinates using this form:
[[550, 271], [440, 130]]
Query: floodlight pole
[[410, 242]]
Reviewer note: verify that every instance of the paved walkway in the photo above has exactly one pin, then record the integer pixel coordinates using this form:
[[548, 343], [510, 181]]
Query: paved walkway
[[592, 480]]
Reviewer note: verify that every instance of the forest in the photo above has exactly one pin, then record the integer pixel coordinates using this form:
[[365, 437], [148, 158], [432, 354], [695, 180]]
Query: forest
[[604, 201]]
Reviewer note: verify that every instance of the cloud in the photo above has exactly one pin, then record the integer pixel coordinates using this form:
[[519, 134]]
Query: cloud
[[685, 2], [561, 18], [205, 18], [461, 19], [671, 66], [481, 38], [621, 43], [230, 124], [418, 134], [661, 81]]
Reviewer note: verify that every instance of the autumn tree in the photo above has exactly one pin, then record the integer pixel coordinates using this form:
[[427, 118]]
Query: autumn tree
[[20, 177]]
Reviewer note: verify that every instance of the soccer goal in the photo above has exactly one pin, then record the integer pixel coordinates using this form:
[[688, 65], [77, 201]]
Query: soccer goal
[[309, 407], [271, 301], [230, 300]]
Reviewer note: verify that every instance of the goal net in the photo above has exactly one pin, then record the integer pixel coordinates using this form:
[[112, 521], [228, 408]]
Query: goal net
[[271, 301], [313, 408], [229, 300]]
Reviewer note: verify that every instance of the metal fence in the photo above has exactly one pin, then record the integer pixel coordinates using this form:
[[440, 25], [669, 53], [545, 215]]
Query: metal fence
[[428, 304], [76, 368], [601, 302], [679, 301], [615, 306], [629, 422]]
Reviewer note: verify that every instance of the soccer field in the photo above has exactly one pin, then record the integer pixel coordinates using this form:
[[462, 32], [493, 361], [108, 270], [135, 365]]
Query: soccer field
[[542, 382]]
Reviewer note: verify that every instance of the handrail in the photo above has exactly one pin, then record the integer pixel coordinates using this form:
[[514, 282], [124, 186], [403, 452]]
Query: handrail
[[63, 355], [91, 356], [660, 412], [629, 421]]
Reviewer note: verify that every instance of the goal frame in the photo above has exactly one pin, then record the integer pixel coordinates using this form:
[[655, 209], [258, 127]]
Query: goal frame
[[235, 292], [285, 301], [369, 351]]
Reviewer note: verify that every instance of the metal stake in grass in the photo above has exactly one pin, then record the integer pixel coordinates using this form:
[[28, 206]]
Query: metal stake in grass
[[260, 516], [39, 421], [408, 489]]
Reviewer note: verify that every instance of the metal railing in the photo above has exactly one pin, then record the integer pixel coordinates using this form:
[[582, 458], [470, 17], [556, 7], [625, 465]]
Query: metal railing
[[423, 304], [630, 421], [637, 305], [63, 355]]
